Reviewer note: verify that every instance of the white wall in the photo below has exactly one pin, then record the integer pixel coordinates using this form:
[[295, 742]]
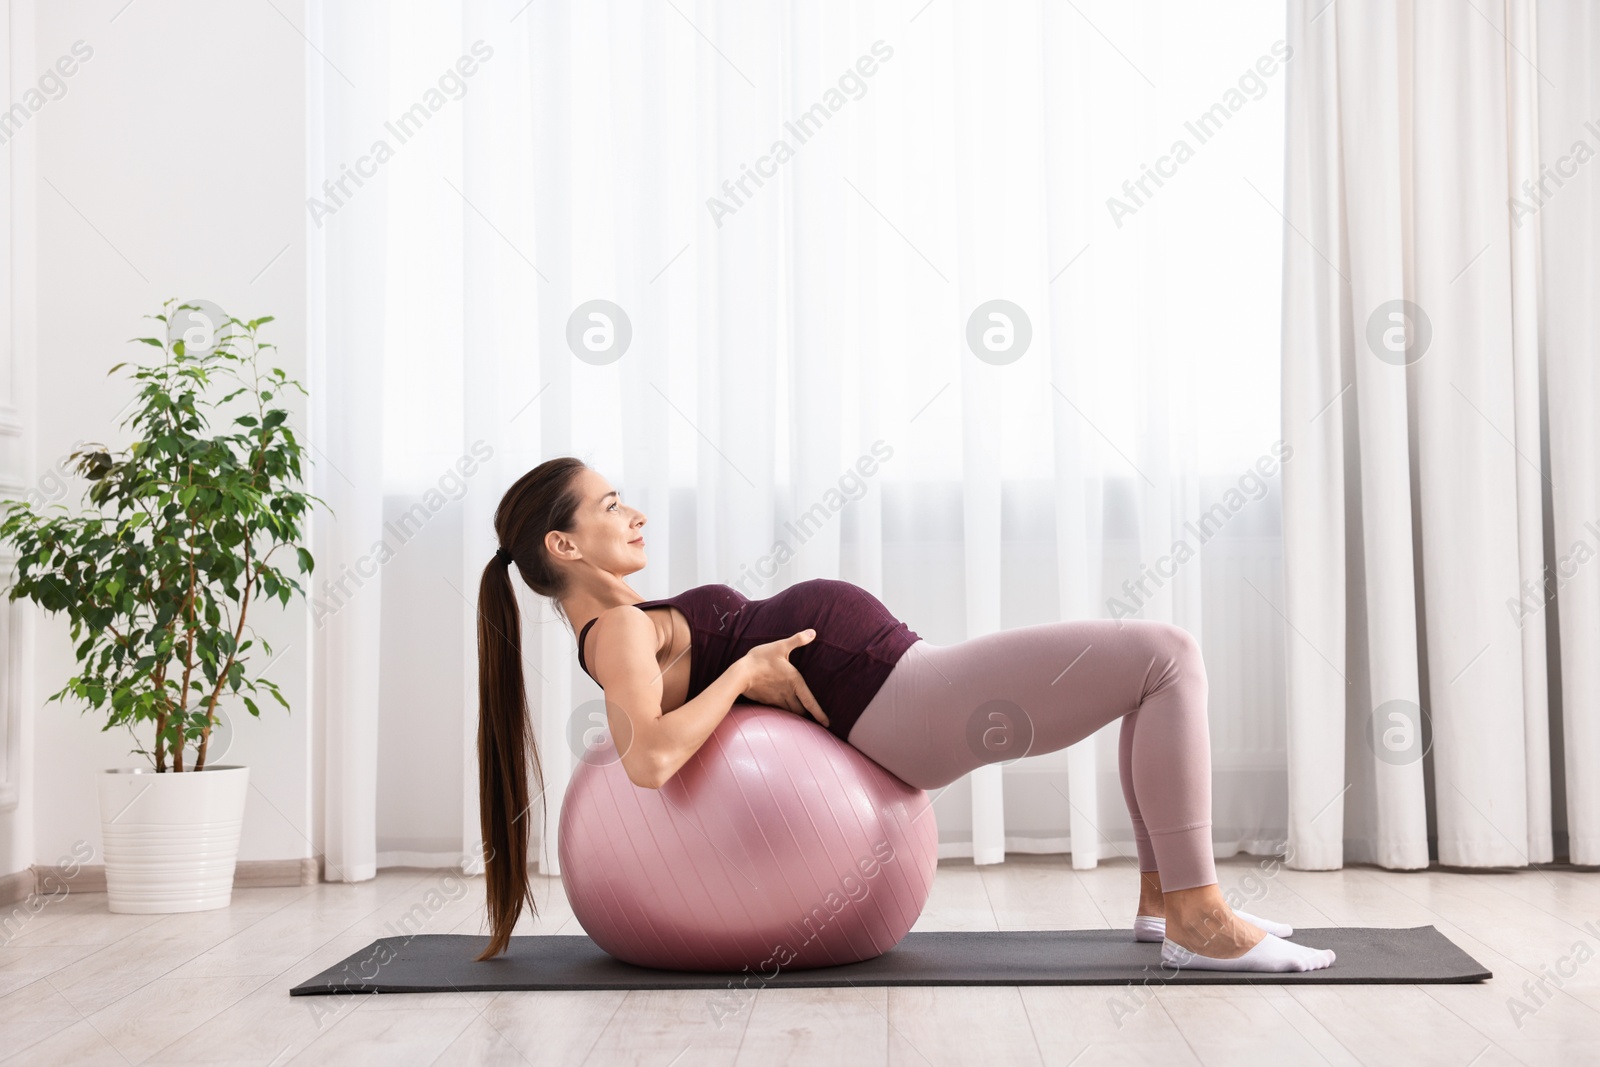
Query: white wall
[[173, 166]]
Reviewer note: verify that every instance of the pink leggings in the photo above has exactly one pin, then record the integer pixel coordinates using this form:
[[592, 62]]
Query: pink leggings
[[947, 709]]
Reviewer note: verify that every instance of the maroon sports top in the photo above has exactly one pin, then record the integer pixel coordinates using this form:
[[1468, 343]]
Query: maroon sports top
[[858, 641]]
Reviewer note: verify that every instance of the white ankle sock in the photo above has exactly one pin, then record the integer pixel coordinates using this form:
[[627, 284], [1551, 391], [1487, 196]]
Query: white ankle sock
[[1271, 953], [1154, 928]]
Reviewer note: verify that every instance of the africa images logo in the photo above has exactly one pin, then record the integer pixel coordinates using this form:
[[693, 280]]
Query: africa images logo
[[451, 85], [1202, 128], [803, 127]]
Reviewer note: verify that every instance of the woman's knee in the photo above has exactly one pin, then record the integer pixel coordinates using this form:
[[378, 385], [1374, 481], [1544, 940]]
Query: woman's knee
[[1178, 649]]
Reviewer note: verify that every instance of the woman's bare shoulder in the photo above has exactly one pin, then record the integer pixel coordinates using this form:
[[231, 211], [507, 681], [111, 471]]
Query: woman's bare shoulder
[[625, 628]]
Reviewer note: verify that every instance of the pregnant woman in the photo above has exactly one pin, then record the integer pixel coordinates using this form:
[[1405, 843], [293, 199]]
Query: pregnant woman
[[672, 668]]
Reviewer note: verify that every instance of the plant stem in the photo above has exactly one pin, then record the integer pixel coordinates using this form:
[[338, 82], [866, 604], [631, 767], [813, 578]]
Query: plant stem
[[244, 600]]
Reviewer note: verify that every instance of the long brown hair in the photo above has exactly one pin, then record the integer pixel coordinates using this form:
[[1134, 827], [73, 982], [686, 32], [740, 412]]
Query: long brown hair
[[540, 501]]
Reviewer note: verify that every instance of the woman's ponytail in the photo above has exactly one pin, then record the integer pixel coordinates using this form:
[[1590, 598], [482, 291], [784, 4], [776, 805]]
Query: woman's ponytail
[[540, 501], [504, 744]]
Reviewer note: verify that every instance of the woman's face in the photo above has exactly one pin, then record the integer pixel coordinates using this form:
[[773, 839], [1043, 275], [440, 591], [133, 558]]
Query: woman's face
[[608, 533]]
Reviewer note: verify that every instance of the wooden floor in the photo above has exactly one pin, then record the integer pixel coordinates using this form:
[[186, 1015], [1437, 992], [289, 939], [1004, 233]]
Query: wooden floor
[[79, 985]]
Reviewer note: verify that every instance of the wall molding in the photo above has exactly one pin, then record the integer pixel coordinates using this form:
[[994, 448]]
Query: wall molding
[[14, 654], [18, 344], [17, 886], [247, 874]]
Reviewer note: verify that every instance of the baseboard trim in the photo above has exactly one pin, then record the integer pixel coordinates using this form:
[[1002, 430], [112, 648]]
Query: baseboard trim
[[15, 887], [247, 874]]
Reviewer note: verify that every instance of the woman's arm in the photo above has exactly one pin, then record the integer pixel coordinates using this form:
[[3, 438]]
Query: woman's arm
[[763, 674], [679, 735], [653, 745]]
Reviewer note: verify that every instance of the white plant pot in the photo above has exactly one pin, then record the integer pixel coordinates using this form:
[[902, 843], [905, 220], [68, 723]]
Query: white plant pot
[[171, 839]]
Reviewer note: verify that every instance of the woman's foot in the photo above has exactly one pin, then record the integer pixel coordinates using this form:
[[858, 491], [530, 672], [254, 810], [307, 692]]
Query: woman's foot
[[1271, 953], [1150, 923], [1152, 902], [1203, 932], [1154, 928]]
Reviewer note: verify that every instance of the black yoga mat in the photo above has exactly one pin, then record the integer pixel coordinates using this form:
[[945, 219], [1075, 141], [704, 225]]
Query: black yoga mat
[[434, 963]]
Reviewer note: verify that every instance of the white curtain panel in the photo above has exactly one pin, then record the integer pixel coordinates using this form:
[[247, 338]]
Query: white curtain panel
[[346, 309], [1442, 512], [974, 305]]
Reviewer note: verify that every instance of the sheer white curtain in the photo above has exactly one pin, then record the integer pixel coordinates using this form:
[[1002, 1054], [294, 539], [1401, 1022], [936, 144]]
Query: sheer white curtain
[[976, 306], [1439, 393]]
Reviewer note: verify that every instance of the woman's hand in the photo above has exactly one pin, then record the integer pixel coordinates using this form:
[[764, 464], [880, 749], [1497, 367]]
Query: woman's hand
[[776, 681]]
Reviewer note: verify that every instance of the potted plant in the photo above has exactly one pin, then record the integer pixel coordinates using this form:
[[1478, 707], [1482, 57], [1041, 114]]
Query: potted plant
[[158, 579]]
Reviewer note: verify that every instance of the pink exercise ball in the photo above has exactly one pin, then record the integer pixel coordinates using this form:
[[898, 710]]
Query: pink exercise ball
[[777, 845]]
